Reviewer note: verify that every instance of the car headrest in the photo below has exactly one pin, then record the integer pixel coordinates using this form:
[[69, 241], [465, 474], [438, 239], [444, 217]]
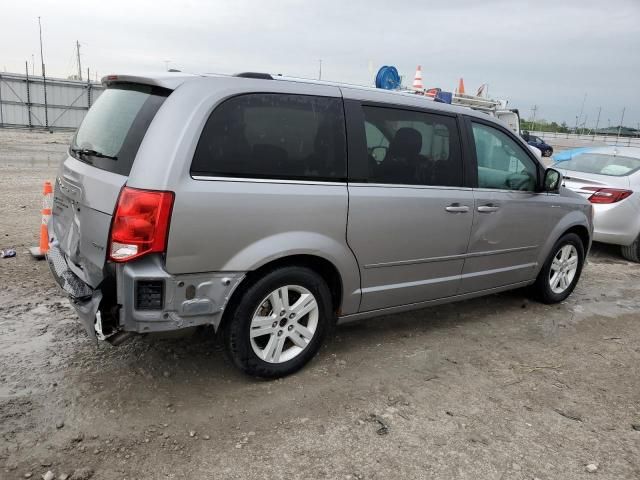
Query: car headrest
[[406, 143]]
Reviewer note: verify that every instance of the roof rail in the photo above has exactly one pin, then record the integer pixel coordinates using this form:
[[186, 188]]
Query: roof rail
[[258, 75]]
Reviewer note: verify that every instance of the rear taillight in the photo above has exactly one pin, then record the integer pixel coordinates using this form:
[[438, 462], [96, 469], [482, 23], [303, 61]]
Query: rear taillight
[[607, 195], [140, 224]]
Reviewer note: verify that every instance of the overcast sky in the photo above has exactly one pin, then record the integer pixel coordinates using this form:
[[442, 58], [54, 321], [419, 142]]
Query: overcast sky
[[544, 53]]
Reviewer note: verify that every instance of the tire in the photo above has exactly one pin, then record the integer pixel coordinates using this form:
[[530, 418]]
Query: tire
[[543, 288], [632, 252], [253, 335], [547, 153]]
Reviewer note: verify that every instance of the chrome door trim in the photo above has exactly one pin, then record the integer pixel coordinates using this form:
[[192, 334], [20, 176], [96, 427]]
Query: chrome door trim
[[265, 180], [451, 257], [402, 185]]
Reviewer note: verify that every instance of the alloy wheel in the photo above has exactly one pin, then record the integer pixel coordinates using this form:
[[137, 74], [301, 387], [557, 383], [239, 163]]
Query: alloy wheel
[[563, 268], [284, 324]]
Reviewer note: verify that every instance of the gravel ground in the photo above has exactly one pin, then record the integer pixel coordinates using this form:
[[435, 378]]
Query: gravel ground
[[492, 388]]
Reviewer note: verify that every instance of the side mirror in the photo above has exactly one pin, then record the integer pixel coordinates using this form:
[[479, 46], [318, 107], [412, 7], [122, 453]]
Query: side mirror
[[552, 180], [378, 153]]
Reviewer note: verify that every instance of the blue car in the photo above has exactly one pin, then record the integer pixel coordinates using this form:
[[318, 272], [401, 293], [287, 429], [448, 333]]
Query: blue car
[[545, 148]]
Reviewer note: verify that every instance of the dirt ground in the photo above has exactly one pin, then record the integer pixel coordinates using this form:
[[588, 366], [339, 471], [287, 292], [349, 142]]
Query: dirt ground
[[493, 388]]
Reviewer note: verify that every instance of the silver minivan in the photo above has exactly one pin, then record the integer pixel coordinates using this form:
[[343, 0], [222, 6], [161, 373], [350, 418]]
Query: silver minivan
[[270, 208]]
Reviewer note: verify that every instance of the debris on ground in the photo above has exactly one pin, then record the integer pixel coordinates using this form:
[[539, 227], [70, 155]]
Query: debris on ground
[[48, 476], [384, 428], [592, 467], [570, 416], [82, 474], [7, 253]]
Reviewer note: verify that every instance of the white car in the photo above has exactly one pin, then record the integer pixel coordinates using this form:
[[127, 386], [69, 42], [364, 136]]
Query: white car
[[609, 177]]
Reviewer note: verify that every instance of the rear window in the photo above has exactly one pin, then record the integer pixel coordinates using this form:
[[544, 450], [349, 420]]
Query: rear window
[[601, 164], [279, 136], [115, 126]]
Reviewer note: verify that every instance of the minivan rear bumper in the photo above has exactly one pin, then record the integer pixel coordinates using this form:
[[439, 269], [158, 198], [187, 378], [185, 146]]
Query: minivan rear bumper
[[84, 299], [182, 300]]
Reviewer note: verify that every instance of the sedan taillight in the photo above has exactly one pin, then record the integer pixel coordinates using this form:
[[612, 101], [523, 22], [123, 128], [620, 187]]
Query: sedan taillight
[[607, 195], [140, 224]]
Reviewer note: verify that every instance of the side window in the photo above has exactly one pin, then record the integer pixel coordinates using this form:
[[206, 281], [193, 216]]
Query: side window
[[418, 148], [502, 163], [276, 136], [377, 143]]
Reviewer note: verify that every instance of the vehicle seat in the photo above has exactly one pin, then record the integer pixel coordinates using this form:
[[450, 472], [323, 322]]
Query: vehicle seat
[[327, 152], [399, 165]]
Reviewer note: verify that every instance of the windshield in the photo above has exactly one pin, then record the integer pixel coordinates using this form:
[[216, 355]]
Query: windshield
[[114, 127], [601, 164]]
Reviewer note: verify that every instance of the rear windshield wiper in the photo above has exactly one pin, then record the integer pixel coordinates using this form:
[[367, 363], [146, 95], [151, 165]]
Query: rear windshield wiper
[[92, 153]]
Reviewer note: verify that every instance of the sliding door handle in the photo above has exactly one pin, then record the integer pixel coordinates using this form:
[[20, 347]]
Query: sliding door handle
[[488, 208], [457, 208]]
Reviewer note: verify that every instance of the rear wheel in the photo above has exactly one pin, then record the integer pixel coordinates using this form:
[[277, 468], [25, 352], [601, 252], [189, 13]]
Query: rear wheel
[[561, 272], [280, 322], [632, 252], [547, 153]]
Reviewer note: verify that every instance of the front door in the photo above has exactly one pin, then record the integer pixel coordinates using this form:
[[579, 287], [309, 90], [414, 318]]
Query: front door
[[511, 220], [409, 216]]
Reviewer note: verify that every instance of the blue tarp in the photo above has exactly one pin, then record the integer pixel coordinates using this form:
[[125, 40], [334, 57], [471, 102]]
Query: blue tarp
[[569, 154]]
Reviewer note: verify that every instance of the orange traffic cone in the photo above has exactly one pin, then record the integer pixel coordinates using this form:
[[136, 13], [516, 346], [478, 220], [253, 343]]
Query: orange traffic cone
[[461, 86], [417, 81], [47, 202]]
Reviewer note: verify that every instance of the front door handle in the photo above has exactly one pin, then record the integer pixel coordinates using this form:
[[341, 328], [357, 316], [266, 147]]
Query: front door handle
[[488, 208], [457, 208]]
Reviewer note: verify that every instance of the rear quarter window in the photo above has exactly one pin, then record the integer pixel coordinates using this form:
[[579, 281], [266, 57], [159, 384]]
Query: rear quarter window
[[116, 124], [277, 136]]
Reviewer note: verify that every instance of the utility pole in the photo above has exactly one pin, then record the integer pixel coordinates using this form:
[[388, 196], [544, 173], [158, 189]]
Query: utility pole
[[534, 110], [584, 124], [595, 132], [33, 65], [79, 64], [620, 126], [584, 99], [44, 79], [320, 71]]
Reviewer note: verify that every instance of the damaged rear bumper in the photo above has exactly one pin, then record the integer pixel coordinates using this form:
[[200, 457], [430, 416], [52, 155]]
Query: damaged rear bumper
[[84, 299], [112, 307]]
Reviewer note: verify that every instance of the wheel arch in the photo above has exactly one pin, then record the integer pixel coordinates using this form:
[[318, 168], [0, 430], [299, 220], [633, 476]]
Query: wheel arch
[[320, 265], [583, 233], [575, 222]]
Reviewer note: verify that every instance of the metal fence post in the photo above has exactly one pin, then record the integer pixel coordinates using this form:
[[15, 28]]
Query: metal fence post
[[1, 114], [26, 64], [88, 91], [46, 107]]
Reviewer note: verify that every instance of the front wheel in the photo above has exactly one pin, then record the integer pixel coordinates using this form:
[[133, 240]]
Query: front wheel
[[279, 323], [561, 271]]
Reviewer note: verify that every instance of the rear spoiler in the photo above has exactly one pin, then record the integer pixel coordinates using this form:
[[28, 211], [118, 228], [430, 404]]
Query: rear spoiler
[[167, 80]]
